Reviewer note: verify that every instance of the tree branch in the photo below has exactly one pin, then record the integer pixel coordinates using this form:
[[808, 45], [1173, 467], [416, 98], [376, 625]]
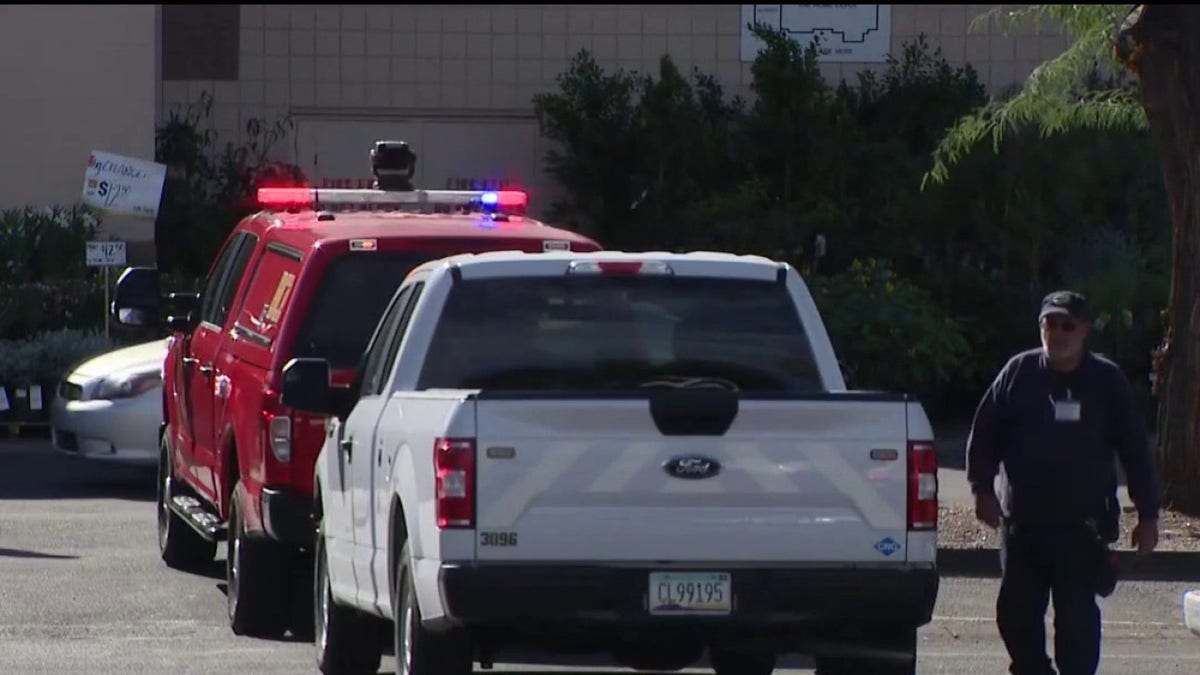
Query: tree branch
[[1056, 97]]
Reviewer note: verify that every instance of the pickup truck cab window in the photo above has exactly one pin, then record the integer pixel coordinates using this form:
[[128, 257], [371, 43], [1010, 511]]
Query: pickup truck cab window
[[351, 297], [377, 349], [217, 297], [617, 333], [397, 336]]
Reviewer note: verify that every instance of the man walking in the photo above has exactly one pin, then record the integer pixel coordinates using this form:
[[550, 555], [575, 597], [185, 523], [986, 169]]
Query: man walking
[[1050, 426]]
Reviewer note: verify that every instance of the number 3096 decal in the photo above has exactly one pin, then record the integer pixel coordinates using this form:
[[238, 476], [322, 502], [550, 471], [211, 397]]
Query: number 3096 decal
[[497, 538]]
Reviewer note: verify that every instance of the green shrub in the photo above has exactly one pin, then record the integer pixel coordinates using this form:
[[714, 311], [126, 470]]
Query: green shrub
[[665, 162], [36, 307], [46, 243], [46, 357], [209, 186], [889, 333]]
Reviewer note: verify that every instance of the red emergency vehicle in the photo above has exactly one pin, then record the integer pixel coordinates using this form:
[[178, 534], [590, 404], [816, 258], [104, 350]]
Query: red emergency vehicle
[[307, 276]]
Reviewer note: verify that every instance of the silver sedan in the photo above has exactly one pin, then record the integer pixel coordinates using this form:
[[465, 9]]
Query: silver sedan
[[110, 406]]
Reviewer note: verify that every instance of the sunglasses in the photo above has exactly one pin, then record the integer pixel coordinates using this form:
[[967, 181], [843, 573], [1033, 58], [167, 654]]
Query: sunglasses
[[1065, 326]]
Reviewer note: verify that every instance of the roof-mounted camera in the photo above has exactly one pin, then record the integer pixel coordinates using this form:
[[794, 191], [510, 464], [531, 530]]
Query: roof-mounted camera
[[394, 164]]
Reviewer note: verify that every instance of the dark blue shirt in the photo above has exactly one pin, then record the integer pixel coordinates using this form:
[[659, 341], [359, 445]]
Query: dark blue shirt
[[1060, 471]]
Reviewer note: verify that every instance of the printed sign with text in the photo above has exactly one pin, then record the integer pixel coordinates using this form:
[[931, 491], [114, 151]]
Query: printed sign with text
[[106, 254], [123, 185]]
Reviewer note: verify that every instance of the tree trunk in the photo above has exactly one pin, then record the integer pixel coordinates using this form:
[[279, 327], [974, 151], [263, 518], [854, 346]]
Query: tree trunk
[[1165, 55]]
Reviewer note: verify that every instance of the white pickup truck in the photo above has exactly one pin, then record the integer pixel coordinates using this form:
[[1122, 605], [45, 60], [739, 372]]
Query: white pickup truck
[[649, 455]]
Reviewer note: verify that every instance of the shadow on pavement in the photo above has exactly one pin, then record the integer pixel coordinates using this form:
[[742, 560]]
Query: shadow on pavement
[[598, 664], [984, 563], [20, 553], [33, 469], [214, 570]]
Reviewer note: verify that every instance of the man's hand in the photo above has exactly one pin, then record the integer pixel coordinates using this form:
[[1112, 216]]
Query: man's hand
[[987, 508], [1145, 536]]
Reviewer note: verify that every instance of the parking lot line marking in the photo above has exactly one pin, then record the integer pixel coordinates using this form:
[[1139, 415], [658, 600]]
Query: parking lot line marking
[[992, 619]]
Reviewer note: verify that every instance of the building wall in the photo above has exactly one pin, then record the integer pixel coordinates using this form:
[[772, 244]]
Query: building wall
[[76, 79], [457, 81]]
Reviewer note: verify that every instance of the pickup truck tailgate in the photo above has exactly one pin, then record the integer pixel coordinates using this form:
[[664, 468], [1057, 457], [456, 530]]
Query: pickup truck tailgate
[[816, 479]]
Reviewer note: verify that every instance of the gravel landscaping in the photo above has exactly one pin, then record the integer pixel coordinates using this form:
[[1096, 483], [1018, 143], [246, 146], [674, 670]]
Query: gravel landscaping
[[958, 528]]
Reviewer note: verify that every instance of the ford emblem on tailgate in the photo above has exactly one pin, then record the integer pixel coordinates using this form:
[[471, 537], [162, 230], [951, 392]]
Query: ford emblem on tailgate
[[692, 467]]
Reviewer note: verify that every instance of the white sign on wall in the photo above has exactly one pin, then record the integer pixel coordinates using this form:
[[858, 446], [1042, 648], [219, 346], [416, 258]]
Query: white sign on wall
[[123, 185], [845, 33]]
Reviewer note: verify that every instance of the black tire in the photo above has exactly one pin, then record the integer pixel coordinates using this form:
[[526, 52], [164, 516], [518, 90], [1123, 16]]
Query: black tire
[[256, 576], [906, 640], [726, 662], [302, 625], [347, 641], [420, 651], [179, 545]]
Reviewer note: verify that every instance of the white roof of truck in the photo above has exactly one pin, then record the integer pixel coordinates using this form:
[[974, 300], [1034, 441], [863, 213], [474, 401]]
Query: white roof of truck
[[694, 263]]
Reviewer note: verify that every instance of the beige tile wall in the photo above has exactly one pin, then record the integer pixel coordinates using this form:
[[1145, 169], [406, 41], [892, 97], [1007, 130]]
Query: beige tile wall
[[76, 79], [446, 58]]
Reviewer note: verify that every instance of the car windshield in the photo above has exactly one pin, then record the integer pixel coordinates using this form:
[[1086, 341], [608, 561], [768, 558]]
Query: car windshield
[[354, 292], [620, 332]]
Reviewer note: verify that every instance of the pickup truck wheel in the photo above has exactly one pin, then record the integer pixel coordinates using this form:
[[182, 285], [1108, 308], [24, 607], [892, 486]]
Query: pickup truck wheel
[[738, 663], [347, 641], [420, 651], [256, 577], [180, 546]]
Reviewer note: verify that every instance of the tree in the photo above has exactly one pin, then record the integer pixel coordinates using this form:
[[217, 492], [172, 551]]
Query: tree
[[1159, 46]]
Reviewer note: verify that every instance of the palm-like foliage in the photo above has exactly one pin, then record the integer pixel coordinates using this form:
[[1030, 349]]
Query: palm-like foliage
[[1065, 93]]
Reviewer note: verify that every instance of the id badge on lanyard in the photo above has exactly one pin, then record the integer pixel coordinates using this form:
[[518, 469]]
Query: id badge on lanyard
[[1067, 410]]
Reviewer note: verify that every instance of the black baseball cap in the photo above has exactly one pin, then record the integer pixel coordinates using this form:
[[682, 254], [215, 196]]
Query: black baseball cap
[[1065, 303]]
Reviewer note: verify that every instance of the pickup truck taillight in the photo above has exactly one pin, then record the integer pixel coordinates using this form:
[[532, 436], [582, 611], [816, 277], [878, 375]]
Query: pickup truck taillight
[[278, 426], [454, 476], [922, 486]]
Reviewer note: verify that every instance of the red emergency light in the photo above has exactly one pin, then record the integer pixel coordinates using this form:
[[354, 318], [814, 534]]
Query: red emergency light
[[285, 196], [307, 198]]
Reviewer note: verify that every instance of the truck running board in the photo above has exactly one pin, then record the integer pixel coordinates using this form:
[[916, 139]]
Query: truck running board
[[202, 520]]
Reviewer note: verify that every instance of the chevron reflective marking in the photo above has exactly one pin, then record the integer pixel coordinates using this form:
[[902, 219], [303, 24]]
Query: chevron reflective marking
[[762, 469], [633, 460], [829, 462], [641, 459], [511, 504]]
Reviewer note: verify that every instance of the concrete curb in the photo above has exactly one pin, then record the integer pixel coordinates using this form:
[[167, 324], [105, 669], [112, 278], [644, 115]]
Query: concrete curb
[[1159, 566]]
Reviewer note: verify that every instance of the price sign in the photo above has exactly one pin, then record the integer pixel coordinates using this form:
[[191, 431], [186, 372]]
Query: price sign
[[106, 254]]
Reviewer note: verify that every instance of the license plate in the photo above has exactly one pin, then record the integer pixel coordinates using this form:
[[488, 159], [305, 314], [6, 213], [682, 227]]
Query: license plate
[[690, 593]]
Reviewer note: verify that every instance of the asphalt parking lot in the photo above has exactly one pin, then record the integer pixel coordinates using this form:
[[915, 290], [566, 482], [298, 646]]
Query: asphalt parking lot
[[82, 591]]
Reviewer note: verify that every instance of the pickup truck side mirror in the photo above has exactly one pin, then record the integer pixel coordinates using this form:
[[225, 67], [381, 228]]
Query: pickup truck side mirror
[[137, 297], [183, 303], [307, 387], [182, 311]]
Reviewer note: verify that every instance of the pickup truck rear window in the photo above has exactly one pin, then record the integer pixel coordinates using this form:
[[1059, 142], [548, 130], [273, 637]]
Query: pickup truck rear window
[[354, 291], [619, 332]]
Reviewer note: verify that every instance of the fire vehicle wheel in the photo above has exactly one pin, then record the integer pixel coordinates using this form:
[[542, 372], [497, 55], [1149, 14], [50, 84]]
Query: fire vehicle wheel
[[256, 579], [179, 545], [347, 641], [420, 651]]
